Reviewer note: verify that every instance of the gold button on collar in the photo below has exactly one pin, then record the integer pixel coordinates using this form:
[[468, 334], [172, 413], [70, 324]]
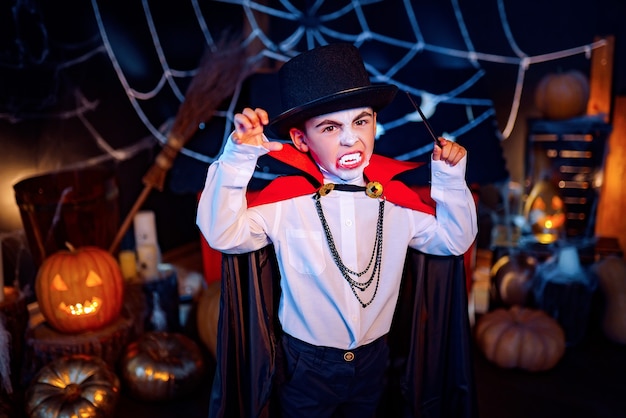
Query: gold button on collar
[[348, 356], [325, 189], [374, 189]]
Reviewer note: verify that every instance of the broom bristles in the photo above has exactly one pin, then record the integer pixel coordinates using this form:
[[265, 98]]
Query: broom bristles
[[219, 73]]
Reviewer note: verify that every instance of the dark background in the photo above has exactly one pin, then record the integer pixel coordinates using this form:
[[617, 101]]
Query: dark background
[[55, 73], [61, 99]]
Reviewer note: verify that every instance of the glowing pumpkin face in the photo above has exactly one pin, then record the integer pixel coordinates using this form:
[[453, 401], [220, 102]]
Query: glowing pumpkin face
[[80, 289], [88, 307]]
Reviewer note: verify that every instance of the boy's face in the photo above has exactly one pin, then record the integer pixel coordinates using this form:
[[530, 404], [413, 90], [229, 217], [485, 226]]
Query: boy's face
[[340, 142]]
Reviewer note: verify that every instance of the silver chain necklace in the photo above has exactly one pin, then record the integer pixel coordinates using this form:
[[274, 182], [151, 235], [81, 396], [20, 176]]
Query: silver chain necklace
[[374, 190]]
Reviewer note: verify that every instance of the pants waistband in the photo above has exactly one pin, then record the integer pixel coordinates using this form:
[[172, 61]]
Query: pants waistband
[[331, 353]]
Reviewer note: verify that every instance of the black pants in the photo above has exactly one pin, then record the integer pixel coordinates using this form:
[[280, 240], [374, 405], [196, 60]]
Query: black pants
[[329, 382]]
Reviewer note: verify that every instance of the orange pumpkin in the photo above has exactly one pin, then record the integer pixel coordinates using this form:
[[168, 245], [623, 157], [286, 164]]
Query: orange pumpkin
[[523, 338], [562, 95], [79, 289], [208, 313]]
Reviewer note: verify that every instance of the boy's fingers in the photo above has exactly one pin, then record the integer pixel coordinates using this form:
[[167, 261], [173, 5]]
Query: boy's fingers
[[242, 123], [450, 152], [262, 115]]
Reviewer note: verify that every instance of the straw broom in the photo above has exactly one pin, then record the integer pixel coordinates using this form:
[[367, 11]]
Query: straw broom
[[219, 73]]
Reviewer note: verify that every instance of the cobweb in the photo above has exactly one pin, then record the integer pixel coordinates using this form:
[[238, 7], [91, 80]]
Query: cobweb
[[431, 51]]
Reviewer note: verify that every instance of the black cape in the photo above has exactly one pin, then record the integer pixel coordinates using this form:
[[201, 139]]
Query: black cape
[[430, 374]]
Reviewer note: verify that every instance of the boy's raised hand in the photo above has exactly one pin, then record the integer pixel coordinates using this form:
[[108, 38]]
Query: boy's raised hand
[[249, 129], [449, 152]]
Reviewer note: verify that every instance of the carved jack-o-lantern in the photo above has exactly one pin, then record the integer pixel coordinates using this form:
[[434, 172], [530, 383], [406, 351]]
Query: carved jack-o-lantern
[[80, 289]]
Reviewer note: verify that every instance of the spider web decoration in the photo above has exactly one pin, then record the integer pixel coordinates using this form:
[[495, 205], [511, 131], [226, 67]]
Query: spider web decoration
[[432, 50], [446, 76]]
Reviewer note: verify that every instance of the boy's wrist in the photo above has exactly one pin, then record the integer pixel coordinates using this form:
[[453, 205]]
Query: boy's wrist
[[241, 152], [445, 175], [237, 163]]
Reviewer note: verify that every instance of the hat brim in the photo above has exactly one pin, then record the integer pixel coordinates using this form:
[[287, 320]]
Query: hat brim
[[375, 96]]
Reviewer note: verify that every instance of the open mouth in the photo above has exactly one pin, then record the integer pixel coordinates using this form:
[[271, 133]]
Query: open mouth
[[350, 161]]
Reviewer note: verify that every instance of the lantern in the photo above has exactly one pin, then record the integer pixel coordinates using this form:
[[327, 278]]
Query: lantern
[[80, 289], [545, 212]]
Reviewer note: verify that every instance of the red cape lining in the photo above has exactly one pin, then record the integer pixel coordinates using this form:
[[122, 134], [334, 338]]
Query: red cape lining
[[380, 169]]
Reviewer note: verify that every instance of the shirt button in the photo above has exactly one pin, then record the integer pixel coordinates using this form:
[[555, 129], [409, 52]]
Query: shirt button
[[349, 222], [348, 356]]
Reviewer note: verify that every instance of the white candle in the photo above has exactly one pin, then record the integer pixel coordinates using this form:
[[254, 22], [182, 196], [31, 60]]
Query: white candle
[[148, 263], [145, 230]]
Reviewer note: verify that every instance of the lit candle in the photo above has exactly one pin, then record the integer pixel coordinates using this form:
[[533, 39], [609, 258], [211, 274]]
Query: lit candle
[[128, 264]]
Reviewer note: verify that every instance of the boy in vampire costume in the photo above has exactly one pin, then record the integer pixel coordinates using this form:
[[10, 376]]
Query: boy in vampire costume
[[343, 289]]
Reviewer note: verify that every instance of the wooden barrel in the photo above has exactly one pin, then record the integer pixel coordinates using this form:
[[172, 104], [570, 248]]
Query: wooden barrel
[[76, 206]]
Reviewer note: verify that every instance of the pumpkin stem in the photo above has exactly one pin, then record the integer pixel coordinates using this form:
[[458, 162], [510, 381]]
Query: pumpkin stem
[[72, 392], [70, 246]]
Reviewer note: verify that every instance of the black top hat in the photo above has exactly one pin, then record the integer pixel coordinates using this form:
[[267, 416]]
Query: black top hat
[[323, 80]]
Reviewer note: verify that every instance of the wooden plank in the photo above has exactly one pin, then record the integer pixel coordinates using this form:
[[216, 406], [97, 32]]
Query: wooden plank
[[610, 221], [601, 79]]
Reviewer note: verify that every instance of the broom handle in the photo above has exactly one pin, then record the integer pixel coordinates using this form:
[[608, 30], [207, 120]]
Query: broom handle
[[129, 218]]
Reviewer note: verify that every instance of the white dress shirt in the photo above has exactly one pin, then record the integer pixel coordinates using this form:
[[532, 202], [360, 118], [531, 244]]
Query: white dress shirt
[[317, 304]]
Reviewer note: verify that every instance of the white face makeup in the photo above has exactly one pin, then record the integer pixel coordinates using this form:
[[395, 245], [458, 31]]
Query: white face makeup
[[340, 142]]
